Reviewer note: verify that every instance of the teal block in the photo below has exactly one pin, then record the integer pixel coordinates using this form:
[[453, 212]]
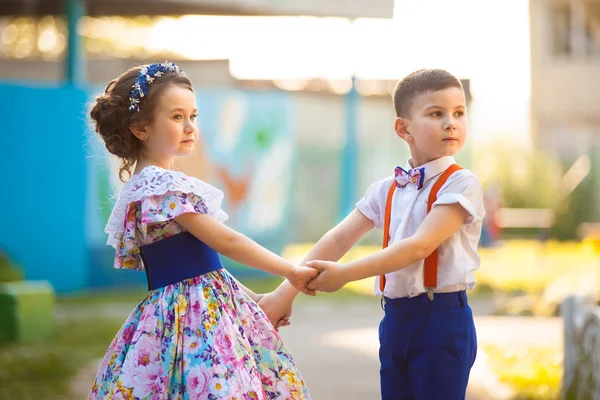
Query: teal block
[[27, 311]]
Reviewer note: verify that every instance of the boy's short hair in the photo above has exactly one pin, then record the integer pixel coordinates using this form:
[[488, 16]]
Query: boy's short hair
[[419, 82]]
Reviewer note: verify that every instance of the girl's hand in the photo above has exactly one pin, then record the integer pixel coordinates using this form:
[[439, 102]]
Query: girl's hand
[[278, 310], [332, 276], [300, 276]]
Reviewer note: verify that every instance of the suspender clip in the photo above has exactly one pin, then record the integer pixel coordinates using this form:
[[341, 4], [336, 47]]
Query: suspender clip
[[382, 302], [430, 294]]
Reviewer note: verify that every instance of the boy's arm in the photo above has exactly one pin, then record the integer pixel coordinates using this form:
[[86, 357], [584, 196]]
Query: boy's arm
[[332, 246], [439, 225]]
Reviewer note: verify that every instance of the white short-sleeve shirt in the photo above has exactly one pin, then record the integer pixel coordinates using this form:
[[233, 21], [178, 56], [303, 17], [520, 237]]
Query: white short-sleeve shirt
[[457, 256]]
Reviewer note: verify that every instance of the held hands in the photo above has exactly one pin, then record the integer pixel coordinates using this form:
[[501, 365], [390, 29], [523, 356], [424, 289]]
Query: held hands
[[324, 276], [300, 277], [331, 276]]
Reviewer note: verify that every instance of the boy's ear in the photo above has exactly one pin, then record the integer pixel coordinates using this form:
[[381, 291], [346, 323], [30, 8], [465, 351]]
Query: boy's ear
[[139, 132], [401, 128]]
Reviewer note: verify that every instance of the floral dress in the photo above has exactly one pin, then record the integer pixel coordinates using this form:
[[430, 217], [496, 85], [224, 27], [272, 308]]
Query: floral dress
[[201, 338]]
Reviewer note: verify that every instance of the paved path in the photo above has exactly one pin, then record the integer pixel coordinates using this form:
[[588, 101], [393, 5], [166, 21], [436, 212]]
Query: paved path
[[336, 348]]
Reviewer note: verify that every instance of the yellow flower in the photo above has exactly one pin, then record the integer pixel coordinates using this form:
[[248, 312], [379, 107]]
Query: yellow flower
[[129, 262], [289, 377], [126, 393], [181, 305], [212, 307]]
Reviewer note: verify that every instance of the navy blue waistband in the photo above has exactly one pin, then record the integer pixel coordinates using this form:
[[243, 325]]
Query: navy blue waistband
[[177, 258], [441, 301]]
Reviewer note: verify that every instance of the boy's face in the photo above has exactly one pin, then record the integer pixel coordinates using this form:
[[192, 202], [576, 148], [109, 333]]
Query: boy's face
[[436, 126]]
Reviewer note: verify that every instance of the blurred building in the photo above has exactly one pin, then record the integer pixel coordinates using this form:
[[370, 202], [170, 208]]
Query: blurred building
[[565, 95], [338, 8], [565, 75]]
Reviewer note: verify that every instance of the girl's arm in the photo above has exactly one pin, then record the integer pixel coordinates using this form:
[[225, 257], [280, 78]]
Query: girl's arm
[[244, 250], [254, 296], [332, 246], [441, 223]]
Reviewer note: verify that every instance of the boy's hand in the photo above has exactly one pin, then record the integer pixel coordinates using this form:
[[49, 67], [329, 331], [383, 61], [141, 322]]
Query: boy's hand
[[278, 311], [300, 277], [330, 279]]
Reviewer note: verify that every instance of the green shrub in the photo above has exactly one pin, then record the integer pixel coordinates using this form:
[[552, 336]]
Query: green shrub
[[9, 272], [532, 179]]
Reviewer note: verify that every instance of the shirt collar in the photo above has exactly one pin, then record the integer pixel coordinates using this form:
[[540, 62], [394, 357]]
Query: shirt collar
[[435, 167]]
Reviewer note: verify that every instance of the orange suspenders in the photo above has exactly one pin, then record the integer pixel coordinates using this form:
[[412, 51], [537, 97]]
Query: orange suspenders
[[431, 262]]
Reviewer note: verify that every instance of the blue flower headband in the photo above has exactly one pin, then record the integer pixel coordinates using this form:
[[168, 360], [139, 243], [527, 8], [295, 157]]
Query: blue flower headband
[[145, 77]]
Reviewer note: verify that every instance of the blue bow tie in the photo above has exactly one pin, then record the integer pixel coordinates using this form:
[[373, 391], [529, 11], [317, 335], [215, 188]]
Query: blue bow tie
[[415, 175]]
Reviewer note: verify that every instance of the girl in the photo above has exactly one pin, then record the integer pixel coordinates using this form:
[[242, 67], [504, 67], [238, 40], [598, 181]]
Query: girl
[[199, 334]]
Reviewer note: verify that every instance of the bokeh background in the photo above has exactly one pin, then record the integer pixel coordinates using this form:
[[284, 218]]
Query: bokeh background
[[296, 122]]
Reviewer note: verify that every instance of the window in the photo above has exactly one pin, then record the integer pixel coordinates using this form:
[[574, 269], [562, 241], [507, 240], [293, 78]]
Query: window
[[575, 28], [591, 13], [560, 20]]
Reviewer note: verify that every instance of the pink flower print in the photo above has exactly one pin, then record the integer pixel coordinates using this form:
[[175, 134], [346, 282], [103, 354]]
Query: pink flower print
[[256, 382], [121, 396], [197, 307], [257, 387], [192, 344], [144, 379], [224, 347], [284, 390], [239, 384], [269, 343], [145, 352], [160, 387], [148, 322], [144, 358], [268, 377], [257, 333], [127, 335], [198, 381]]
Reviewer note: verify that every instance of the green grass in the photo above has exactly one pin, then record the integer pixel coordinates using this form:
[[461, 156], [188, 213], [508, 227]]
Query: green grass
[[78, 340], [42, 371]]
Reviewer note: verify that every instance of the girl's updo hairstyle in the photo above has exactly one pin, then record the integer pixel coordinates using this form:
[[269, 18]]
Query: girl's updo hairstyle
[[112, 117]]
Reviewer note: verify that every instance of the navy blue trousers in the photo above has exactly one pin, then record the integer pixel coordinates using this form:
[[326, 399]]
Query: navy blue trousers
[[427, 348]]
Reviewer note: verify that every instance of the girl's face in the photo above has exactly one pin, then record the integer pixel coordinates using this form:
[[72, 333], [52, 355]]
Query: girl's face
[[173, 131]]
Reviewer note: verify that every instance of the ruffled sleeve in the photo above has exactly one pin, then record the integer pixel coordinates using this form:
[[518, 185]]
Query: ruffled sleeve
[[147, 206], [463, 187], [162, 208]]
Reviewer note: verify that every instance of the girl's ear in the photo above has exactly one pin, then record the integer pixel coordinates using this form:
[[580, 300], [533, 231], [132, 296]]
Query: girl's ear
[[138, 132], [401, 128]]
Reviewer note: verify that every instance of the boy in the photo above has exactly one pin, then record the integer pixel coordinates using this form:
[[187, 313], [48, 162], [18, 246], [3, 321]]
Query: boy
[[431, 213]]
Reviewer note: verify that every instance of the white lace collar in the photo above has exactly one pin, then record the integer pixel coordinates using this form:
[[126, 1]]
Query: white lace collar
[[155, 181]]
